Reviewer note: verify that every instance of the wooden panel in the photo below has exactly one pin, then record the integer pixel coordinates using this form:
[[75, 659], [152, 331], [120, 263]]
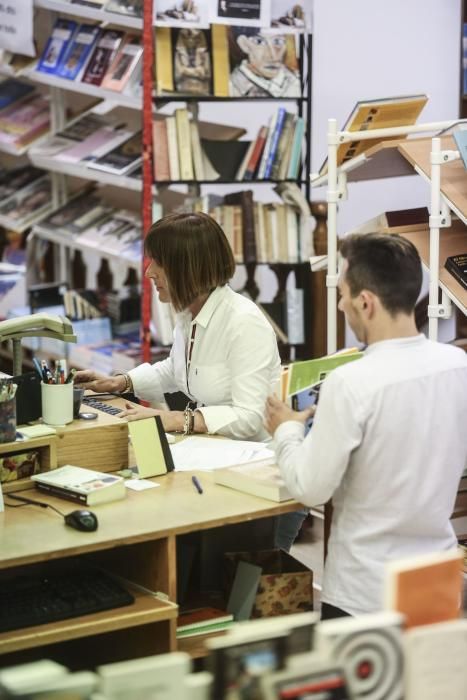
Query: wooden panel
[[146, 609]]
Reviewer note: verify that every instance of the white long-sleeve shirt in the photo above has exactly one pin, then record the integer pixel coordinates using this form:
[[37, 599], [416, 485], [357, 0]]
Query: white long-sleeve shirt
[[389, 444], [234, 365]]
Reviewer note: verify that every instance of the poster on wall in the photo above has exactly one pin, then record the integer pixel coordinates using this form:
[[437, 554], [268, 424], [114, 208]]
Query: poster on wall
[[16, 26]]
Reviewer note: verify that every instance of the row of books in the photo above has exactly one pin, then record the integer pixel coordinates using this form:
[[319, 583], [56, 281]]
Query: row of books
[[276, 152], [25, 197], [183, 152], [107, 58], [222, 61], [96, 225], [24, 115], [276, 232], [95, 142]]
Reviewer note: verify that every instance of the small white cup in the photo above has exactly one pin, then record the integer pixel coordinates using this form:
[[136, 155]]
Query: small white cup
[[57, 403]]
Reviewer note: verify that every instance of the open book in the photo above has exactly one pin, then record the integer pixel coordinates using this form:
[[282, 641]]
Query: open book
[[377, 114]]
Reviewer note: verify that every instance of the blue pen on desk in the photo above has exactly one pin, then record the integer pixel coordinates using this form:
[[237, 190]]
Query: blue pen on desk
[[196, 484]]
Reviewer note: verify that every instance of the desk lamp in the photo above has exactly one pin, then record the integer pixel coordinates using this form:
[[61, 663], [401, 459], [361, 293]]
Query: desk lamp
[[39, 325]]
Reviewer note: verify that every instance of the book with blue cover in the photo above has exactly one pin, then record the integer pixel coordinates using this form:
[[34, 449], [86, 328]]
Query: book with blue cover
[[57, 45], [78, 51], [13, 90]]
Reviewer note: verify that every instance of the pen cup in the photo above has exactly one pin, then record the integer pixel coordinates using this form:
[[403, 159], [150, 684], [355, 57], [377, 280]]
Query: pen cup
[[77, 399], [8, 420], [57, 403]]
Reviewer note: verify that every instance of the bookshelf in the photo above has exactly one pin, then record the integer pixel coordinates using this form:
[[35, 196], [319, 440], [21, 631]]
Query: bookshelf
[[449, 194], [70, 254]]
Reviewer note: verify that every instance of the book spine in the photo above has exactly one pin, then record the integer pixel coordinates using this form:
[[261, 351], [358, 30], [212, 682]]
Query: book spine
[[274, 142], [256, 154], [62, 493], [240, 174], [267, 146], [172, 141], [220, 55], [280, 154], [184, 144], [296, 151], [163, 56], [161, 150], [196, 153]]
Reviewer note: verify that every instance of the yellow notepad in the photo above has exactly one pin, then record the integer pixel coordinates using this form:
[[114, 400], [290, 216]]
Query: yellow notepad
[[147, 447]]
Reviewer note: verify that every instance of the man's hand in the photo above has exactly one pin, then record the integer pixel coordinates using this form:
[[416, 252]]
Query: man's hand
[[88, 379], [171, 420], [278, 412]]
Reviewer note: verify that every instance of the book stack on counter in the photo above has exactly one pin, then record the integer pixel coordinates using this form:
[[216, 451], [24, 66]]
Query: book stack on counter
[[106, 58], [81, 485], [93, 143], [24, 115]]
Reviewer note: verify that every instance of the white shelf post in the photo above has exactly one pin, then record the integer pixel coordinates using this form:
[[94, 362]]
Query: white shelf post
[[332, 199]]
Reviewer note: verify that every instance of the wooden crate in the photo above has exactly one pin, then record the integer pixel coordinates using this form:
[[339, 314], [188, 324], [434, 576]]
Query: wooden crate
[[47, 448]]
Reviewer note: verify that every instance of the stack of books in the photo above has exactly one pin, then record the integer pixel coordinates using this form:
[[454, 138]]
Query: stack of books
[[24, 115], [27, 197], [91, 141], [203, 620], [84, 52]]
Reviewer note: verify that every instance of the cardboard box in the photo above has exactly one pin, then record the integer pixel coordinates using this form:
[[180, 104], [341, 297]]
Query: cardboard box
[[285, 584]]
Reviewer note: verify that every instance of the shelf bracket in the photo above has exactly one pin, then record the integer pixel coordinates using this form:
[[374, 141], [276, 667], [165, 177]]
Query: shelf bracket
[[441, 157], [443, 310], [443, 219], [340, 193], [331, 280]]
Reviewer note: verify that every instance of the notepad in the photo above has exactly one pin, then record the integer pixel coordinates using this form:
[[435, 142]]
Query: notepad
[[150, 446]]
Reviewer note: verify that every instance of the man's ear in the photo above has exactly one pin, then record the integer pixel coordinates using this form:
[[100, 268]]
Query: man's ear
[[367, 302]]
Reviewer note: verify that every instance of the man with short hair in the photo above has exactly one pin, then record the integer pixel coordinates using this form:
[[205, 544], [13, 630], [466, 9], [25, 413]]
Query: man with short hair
[[389, 439]]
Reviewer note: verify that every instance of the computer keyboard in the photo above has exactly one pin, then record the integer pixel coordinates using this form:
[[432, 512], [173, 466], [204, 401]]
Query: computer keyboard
[[101, 406], [36, 600]]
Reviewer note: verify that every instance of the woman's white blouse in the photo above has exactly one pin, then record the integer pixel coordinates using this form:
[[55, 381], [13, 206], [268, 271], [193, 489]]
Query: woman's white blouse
[[234, 365]]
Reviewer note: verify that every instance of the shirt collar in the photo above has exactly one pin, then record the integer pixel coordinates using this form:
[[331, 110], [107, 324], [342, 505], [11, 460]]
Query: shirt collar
[[204, 316], [395, 343]]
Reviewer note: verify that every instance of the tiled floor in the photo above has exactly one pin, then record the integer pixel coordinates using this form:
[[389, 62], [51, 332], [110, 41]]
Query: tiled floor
[[309, 550]]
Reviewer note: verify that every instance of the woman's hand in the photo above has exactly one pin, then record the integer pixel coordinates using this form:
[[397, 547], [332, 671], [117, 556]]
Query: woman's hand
[[278, 412], [88, 379], [173, 421]]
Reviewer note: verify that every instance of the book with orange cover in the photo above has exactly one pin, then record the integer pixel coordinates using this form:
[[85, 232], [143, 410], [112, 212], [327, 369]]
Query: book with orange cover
[[202, 621], [123, 64], [427, 588]]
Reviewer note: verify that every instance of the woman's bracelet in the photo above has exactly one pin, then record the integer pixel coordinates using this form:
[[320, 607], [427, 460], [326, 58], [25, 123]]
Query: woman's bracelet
[[189, 421], [128, 383]]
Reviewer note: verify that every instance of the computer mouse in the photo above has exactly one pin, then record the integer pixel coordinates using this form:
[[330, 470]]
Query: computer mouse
[[82, 520]]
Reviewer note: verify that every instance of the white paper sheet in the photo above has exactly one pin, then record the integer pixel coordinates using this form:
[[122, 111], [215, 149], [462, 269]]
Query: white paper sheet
[[207, 454], [16, 26]]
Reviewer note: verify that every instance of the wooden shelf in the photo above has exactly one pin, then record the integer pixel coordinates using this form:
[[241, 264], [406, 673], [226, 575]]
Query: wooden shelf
[[453, 174], [145, 610], [196, 646], [452, 241], [47, 446]]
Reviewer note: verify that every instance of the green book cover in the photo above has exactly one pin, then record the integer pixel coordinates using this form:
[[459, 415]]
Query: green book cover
[[303, 375]]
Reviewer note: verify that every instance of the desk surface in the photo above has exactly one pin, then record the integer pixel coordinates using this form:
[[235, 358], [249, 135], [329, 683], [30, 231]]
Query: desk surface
[[31, 534]]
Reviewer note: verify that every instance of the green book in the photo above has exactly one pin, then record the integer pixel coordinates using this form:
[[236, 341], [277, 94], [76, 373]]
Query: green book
[[306, 374]]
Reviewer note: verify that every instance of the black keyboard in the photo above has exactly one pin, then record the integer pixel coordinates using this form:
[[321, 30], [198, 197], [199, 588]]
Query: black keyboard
[[101, 406], [26, 601]]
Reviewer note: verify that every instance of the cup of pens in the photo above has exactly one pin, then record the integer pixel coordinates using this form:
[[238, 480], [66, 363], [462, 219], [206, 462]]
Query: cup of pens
[[7, 412], [57, 395]]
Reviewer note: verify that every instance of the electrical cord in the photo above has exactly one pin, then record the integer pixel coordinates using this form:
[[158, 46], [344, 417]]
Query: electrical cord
[[29, 501]]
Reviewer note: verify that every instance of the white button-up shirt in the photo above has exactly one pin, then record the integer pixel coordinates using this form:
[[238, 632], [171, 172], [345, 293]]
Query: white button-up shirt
[[389, 444], [234, 365]]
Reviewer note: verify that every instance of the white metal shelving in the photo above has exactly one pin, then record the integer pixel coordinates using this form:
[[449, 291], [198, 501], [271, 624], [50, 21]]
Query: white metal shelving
[[336, 179], [82, 171], [114, 18]]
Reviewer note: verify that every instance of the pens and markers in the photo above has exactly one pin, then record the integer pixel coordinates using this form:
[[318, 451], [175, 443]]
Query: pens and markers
[[57, 376], [196, 484]]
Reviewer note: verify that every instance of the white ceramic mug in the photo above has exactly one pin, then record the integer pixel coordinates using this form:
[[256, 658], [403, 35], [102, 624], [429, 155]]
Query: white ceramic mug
[[57, 403]]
